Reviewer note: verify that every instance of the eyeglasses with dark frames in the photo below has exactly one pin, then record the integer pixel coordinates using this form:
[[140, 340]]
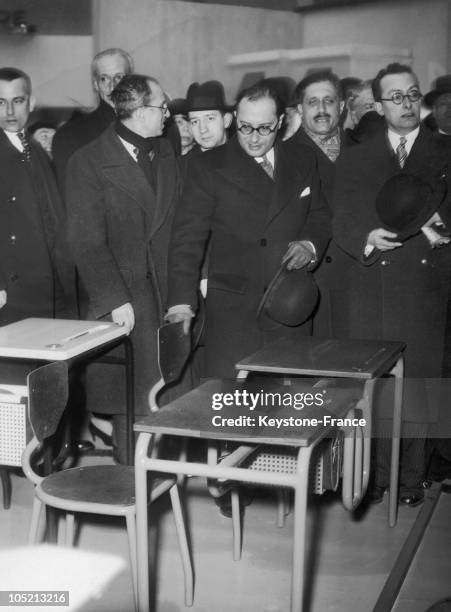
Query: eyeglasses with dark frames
[[263, 130], [398, 97]]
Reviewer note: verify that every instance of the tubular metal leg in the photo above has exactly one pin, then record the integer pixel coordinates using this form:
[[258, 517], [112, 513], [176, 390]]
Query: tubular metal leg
[[300, 516], [70, 523], [131, 535], [130, 397], [398, 372], [183, 545], [36, 515], [142, 535], [236, 523]]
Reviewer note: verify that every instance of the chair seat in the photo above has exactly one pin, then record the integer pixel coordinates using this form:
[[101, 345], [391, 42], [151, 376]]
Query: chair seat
[[97, 484]]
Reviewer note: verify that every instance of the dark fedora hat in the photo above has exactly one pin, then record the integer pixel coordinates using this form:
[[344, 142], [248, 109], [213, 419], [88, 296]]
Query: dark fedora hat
[[177, 106], [405, 202], [206, 96], [442, 86], [289, 299]]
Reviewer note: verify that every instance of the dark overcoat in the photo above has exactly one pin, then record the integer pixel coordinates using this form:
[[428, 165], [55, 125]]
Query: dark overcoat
[[119, 230], [251, 220], [35, 268], [400, 294]]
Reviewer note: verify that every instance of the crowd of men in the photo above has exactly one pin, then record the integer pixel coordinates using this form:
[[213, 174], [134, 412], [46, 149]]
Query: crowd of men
[[342, 178]]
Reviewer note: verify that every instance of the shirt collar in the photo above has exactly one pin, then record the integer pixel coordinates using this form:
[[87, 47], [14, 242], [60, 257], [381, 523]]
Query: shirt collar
[[269, 156], [14, 140], [394, 139]]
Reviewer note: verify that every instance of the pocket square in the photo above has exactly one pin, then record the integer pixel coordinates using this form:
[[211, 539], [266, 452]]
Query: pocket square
[[305, 192]]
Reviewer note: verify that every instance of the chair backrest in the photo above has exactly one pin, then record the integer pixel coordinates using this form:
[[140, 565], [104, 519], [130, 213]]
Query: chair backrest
[[48, 388]]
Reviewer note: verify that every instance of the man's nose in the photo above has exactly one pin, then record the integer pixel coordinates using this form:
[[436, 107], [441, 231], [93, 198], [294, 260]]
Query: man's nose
[[407, 102], [203, 127], [255, 136], [9, 108], [322, 106]]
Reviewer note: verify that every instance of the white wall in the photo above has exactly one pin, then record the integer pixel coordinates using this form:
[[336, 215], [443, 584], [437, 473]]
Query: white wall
[[420, 25], [58, 66], [179, 42]]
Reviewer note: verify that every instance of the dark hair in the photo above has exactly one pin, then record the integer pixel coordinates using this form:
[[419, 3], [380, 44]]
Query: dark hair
[[132, 92], [11, 74], [317, 77], [394, 68], [263, 89]]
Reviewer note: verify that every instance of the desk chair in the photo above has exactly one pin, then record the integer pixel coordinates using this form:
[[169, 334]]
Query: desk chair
[[99, 489]]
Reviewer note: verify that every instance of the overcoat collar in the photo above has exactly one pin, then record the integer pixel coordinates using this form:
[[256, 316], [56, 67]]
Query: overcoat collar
[[119, 168], [242, 170]]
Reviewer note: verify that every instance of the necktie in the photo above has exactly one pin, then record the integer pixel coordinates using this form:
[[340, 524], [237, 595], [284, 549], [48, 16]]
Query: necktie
[[144, 158], [267, 167], [401, 151], [26, 146]]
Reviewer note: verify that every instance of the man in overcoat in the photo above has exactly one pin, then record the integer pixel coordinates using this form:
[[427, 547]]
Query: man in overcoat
[[391, 289], [261, 207], [121, 193], [35, 273]]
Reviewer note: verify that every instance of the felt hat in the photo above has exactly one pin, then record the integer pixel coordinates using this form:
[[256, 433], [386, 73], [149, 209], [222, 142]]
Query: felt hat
[[405, 202], [442, 86], [206, 96], [289, 299], [177, 106]]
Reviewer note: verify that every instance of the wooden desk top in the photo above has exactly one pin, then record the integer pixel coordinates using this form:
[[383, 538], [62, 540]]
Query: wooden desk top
[[325, 357], [55, 339], [192, 415]]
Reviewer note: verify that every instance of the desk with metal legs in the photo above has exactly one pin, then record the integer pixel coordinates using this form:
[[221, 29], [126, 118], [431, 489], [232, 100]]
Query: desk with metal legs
[[365, 360], [191, 416]]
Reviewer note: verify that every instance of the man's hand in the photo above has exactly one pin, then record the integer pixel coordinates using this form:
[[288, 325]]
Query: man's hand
[[299, 254], [383, 240], [2, 298], [180, 316], [124, 315]]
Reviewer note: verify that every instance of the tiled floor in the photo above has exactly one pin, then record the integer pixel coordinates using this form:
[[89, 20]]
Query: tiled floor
[[349, 557]]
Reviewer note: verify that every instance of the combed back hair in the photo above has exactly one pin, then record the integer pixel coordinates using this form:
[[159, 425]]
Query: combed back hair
[[263, 89], [132, 92], [11, 74], [357, 90], [395, 68], [108, 53], [317, 77]]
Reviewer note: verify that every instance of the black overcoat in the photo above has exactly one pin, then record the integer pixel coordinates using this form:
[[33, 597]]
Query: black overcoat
[[118, 232], [251, 219]]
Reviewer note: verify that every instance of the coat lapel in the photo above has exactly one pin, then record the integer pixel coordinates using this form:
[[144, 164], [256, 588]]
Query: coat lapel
[[244, 172], [167, 175], [287, 182], [121, 170]]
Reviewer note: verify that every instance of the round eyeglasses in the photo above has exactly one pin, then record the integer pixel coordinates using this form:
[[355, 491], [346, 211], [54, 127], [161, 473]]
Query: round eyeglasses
[[263, 130], [398, 97]]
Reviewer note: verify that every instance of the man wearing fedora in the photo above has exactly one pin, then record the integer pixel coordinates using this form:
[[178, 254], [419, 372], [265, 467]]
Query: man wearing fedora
[[208, 114], [261, 208], [390, 211], [439, 100]]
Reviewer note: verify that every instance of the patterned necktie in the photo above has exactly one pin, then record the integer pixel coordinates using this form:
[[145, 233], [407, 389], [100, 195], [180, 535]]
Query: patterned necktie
[[267, 167], [401, 151], [26, 147]]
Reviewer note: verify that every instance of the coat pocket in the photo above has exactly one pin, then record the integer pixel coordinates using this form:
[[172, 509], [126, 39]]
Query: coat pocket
[[228, 282]]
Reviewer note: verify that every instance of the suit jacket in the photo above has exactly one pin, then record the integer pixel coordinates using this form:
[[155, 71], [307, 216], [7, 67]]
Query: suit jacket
[[395, 295], [77, 133], [118, 232], [251, 220]]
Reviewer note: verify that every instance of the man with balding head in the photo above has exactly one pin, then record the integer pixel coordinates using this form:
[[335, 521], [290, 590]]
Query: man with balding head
[[107, 69], [121, 193]]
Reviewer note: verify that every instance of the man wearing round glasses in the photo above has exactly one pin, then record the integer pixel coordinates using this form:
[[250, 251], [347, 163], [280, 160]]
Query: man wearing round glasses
[[261, 207], [393, 286]]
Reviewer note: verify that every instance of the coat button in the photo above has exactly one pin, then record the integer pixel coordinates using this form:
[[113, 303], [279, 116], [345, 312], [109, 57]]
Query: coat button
[[12, 239], [13, 277], [12, 199], [385, 262], [263, 242], [424, 261], [328, 259]]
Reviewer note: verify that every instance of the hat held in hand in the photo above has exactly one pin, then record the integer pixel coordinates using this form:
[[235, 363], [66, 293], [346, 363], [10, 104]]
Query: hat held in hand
[[289, 299], [406, 202]]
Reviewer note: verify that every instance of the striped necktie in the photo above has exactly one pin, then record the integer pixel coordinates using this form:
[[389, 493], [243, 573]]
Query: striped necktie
[[26, 146], [267, 167], [401, 151]]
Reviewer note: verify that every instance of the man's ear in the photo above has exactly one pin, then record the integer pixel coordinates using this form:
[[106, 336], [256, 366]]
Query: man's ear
[[342, 105], [95, 86], [299, 107], [228, 117], [379, 109], [32, 103], [279, 123]]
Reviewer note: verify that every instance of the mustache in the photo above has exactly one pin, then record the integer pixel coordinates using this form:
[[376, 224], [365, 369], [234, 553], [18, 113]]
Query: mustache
[[322, 116]]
